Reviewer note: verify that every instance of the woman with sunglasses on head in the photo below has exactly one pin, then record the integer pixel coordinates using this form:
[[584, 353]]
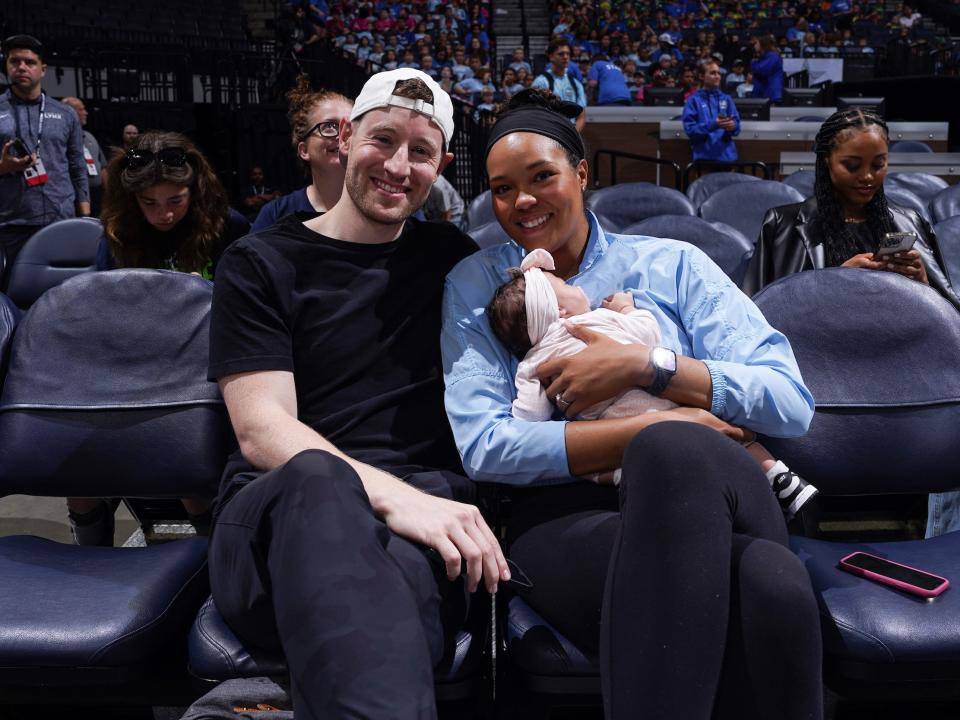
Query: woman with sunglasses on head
[[681, 581], [315, 117], [163, 207]]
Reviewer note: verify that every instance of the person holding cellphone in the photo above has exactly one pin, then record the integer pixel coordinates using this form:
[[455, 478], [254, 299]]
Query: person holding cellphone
[[848, 217], [710, 118], [682, 581], [844, 224]]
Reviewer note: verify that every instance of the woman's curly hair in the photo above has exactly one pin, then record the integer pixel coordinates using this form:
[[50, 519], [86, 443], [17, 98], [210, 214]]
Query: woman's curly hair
[[301, 100], [127, 230]]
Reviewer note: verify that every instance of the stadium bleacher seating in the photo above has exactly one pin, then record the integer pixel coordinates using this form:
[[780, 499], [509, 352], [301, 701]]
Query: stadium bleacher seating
[[123, 405], [743, 205], [945, 204], [875, 636], [703, 187], [725, 245], [57, 252], [101, 617], [619, 206]]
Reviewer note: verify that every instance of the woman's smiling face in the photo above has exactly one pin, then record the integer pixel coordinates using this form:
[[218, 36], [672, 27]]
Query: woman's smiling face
[[537, 196]]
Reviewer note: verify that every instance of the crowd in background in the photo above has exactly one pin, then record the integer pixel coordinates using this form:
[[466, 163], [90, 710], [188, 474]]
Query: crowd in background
[[651, 44]]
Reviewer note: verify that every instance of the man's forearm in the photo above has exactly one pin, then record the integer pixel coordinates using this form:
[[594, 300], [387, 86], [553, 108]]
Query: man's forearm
[[279, 437], [83, 207]]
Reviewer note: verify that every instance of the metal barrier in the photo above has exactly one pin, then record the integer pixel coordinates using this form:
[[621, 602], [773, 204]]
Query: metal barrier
[[615, 154], [699, 166]]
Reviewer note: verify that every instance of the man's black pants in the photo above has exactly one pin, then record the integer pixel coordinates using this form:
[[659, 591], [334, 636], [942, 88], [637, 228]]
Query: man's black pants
[[300, 563]]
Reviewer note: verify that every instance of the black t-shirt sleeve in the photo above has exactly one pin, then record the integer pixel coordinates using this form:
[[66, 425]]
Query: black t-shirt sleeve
[[248, 328]]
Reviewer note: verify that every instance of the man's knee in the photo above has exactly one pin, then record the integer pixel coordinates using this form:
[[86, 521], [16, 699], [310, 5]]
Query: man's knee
[[313, 479]]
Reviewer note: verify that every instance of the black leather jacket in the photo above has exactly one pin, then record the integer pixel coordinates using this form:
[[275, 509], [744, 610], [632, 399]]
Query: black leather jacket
[[788, 244]]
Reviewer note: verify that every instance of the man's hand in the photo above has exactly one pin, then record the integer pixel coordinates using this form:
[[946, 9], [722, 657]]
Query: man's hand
[[455, 530], [601, 371], [10, 164], [620, 302]]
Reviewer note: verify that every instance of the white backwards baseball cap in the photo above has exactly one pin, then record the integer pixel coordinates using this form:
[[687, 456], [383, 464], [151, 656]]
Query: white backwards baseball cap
[[377, 92]]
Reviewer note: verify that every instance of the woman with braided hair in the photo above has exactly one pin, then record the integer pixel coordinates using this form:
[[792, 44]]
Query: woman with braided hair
[[843, 224]]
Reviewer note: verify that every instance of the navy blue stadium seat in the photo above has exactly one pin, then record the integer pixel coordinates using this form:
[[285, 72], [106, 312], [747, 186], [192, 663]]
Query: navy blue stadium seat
[[948, 238], [490, 234], [910, 146], [622, 205], [9, 316], [106, 395], [945, 204], [924, 185], [480, 211], [543, 659], [743, 205], [706, 185], [725, 245], [216, 654], [57, 252], [802, 181], [869, 437], [902, 197]]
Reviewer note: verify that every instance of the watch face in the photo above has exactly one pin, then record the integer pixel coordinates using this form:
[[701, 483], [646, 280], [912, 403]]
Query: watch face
[[664, 358]]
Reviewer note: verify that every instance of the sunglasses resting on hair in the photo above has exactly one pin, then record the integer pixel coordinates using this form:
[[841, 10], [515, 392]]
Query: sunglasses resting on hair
[[170, 156]]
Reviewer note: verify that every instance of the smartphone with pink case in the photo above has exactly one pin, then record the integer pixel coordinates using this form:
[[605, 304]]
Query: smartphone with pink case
[[897, 575]]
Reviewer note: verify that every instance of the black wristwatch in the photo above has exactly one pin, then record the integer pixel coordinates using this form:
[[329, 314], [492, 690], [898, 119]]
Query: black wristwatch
[[664, 363]]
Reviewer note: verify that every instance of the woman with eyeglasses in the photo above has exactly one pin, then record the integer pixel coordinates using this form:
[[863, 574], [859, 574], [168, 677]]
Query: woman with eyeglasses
[[315, 117], [163, 207]]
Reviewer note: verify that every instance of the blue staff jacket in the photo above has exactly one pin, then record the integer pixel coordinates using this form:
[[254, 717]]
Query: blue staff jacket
[[708, 141]]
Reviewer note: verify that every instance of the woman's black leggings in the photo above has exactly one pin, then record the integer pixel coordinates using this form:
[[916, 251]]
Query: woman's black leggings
[[690, 594]]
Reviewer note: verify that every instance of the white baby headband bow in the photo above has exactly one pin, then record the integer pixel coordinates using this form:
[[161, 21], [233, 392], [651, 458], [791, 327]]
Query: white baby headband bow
[[540, 301]]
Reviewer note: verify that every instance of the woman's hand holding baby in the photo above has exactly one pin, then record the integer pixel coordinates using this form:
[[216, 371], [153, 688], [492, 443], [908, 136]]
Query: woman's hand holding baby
[[601, 371]]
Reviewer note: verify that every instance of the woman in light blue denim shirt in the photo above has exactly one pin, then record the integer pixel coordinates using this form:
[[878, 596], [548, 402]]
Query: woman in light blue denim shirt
[[682, 585]]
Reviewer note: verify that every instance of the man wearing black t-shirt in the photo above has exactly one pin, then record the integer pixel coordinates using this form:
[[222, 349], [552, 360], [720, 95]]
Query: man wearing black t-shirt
[[325, 342]]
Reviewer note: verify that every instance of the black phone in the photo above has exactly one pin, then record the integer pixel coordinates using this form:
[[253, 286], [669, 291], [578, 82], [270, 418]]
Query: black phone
[[894, 242], [902, 577], [19, 148]]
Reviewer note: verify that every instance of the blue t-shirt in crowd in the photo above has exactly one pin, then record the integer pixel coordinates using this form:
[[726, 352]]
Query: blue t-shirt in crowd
[[277, 208], [611, 84]]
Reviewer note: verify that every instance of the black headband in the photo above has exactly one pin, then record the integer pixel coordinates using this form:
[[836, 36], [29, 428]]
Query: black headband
[[541, 121]]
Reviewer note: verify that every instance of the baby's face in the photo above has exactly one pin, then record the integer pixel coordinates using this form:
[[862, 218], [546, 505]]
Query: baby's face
[[572, 300]]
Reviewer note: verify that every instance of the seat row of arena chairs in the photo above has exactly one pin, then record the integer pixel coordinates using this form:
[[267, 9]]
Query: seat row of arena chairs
[[626, 203], [104, 394]]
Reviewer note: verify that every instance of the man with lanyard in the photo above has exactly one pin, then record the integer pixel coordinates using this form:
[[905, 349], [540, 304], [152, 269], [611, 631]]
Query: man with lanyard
[[92, 154], [43, 175], [558, 80], [343, 522]]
